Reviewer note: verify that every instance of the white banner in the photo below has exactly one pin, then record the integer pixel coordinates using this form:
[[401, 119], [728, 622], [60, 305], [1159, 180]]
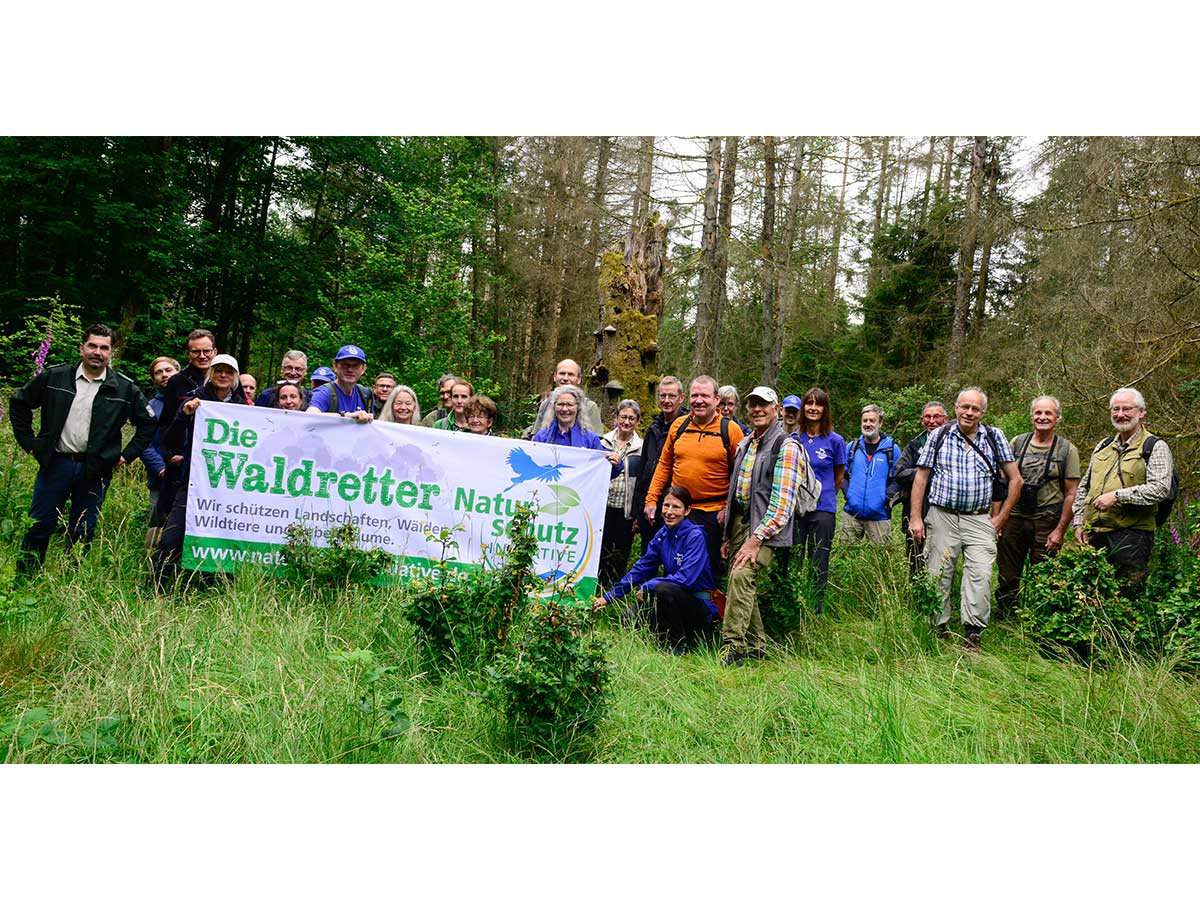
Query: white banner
[[256, 471]]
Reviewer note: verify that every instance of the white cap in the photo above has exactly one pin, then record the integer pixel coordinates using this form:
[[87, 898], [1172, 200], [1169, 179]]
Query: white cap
[[224, 359], [764, 393]]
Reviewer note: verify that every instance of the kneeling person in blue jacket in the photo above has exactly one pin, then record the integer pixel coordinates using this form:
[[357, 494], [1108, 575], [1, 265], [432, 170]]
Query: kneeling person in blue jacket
[[683, 607], [870, 484]]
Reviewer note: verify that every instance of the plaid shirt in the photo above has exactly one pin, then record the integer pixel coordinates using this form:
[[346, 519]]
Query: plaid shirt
[[962, 480], [784, 483]]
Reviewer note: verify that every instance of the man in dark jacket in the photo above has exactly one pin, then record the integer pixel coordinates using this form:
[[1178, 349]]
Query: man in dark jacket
[[201, 349], [79, 442], [933, 416], [670, 404]]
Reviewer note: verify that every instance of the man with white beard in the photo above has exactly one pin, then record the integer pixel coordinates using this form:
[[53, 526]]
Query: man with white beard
[[1129, 474], [870, 484]]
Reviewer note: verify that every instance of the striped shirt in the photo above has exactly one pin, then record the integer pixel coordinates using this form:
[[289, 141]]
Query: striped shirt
[[784, 482], [962, 479]]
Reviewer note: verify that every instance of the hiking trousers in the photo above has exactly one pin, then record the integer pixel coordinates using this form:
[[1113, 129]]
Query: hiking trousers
[[1023, 539], [949, 535], [742, 627]]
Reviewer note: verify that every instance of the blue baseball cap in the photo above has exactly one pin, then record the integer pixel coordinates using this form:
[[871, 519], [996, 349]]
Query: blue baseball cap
[[323, 374], [351, 352], [791, 401]]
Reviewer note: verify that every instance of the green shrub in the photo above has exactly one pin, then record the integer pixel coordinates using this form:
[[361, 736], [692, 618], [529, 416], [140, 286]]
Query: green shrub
[[552, 682], [464, 617], [336, 566], [1074, 601], [924, 598], [1173, 586], [781, 601]]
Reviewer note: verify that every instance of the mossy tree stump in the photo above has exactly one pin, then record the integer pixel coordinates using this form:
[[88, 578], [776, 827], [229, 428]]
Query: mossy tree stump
[[631, 291]]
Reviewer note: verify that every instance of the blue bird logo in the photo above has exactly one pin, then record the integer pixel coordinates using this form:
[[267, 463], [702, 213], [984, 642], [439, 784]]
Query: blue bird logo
[[526, 469]]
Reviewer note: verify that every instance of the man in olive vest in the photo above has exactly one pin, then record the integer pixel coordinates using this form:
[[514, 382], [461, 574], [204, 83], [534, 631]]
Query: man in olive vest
[[1119, 495], [762, 495]]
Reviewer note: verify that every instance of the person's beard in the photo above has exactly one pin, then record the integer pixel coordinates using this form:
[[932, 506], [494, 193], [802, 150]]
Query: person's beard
[[1126, 427], [870, 436]]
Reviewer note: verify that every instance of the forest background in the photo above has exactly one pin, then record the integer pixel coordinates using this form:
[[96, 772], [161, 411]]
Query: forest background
[[885, 268]]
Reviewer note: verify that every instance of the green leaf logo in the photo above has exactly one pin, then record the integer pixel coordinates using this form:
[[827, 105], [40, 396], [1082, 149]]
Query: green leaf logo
[[568, 497]]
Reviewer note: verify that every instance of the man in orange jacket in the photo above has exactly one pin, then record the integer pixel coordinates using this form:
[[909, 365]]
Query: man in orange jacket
[[698, 455]]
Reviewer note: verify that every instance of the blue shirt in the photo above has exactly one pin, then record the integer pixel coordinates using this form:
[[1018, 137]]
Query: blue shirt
[[346, 403], [962, 479], [824, 452], [576, 437]]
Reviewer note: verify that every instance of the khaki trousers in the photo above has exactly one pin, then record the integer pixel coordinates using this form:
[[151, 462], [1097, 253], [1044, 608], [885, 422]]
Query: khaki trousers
[[742, 628], [948, 535], [855, 529]]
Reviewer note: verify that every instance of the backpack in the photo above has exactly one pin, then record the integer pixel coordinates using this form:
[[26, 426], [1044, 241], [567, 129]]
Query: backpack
[[808, 491], [367, 398], [686, 426], [1168, 503]]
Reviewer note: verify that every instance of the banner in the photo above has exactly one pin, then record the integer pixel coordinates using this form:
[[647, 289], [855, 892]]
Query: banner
[[255, 471]]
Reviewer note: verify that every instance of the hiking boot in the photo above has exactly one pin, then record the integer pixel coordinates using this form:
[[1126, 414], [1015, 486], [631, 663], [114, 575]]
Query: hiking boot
[[733, 658], [971, 642], [943, 632]]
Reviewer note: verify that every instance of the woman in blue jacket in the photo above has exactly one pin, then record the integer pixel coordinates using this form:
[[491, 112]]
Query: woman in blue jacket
[[684, 609], [565, 430]]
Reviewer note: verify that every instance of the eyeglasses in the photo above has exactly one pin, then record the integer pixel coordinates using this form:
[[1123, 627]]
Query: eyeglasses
[[209, 352]]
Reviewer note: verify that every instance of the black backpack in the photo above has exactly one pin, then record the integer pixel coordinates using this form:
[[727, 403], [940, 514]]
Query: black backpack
[[367, 398], [687, 426], [1168, 503]]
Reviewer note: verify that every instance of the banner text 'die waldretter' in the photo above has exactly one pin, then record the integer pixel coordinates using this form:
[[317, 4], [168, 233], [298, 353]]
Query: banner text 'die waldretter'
[[256, 471]]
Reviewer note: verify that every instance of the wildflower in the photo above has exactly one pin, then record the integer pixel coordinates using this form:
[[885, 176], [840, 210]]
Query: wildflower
[[1174, 534], [39, 358]]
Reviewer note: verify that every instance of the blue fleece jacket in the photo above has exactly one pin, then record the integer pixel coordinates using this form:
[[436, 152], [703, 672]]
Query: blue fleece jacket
[[870, 481], [683, 554]]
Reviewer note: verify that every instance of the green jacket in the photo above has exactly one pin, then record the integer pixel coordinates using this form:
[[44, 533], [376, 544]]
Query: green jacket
[[118, 401]]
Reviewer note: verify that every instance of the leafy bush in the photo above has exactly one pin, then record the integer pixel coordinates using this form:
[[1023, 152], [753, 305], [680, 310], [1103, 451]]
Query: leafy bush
[[553, 681], [781, 601], [1074, 600], [465, 617], [1173, 587], [336, 566], [925, 600]]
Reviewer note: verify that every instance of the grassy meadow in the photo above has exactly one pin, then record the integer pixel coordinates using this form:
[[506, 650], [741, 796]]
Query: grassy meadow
[[100, 668]]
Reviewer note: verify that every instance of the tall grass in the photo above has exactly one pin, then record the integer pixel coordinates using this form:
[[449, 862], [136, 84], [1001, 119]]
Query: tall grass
[[245, 670]]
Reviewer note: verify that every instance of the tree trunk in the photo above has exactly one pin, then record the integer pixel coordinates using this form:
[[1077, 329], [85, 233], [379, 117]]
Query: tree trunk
[[880, 214], [724, 235], [599, 192], [787, 292], [641, 195], [928, 177], [989, 237], [838, 216], [947, 168], [772, 331], [704, 358], [966, 260]]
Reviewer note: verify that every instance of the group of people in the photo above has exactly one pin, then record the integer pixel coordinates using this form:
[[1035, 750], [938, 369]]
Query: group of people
[[714, 500], [966, 493]]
